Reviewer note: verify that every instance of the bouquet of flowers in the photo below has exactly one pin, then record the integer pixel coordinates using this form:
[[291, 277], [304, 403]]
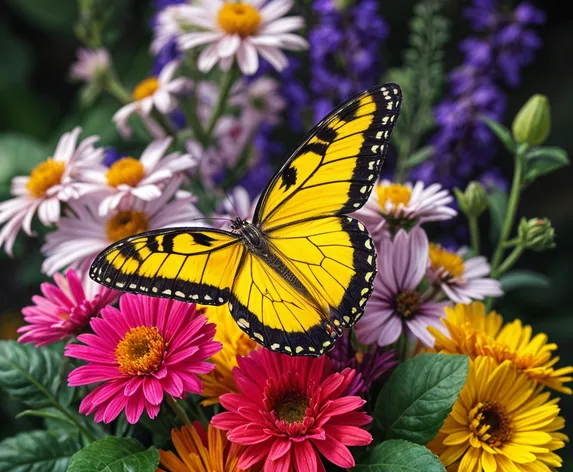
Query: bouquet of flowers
[[430, 378]]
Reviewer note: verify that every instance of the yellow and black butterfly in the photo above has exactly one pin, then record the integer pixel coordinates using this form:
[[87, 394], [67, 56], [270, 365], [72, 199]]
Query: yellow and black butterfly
[[303, 269]]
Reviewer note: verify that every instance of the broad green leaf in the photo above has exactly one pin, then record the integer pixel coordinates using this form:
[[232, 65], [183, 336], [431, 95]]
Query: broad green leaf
[[45, 14], [18, 155], [397, 455], [544, 160], [503, 134], [30, 375], [419, 395], [497, 200], [523, 279], [115, 455], [38, 451]]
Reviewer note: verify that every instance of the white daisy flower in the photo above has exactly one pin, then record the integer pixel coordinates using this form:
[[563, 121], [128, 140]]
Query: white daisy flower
[[462, 281], [260, 101], [404, 206], [91, 64], [82, 233], [153, 92], [142, 178], [170, 23], [50, 183], [243, 30]]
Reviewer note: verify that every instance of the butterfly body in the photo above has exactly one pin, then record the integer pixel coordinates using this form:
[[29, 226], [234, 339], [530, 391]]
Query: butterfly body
[[303, 269]]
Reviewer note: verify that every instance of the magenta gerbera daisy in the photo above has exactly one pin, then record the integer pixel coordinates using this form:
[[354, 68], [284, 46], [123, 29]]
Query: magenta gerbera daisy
[[148, 347], [64, 310], [291, 410]]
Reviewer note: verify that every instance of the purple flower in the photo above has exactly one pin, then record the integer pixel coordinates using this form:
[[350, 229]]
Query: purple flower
[[370, 365], [506, 42]]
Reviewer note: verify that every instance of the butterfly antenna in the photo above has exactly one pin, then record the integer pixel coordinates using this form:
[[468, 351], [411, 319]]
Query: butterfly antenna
[[214, 218], [231, 202]]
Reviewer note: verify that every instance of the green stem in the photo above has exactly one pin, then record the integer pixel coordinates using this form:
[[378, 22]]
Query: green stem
[[226, 83], [117, 90], [180, 412], [511, 211], [474, 234], [508, 263], [403, 153]]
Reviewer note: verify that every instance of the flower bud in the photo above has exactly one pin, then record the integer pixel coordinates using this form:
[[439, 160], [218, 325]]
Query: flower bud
[[532, 123], [536, 234], [473, 202]]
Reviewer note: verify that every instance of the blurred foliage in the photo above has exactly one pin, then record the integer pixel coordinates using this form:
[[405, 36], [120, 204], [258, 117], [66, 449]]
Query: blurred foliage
[[39, 102]]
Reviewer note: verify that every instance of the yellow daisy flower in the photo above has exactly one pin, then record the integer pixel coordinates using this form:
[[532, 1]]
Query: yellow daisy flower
[[474, 333], [201, 451], [500, 422], [235, 343]]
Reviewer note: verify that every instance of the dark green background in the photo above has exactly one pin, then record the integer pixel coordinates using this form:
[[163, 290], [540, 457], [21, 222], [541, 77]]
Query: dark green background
[[37, 98]]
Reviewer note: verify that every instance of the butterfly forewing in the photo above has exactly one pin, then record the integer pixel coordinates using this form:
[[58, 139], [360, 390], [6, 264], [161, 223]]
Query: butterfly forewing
[[189, 264], [335, 169]]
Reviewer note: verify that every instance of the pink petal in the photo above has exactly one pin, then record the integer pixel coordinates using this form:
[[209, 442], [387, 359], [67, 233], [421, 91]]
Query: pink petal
[[253, 454], [305, 457], [335, 452], [247, 434], [279, 448]]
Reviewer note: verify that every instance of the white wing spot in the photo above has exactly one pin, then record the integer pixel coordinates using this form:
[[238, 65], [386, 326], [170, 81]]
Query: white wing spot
[[347, 319], [166, 292], [207, 297], [354, 310], [368, 244], [385, 120], [361, 226], [132, 286], [375, 147], [143, 289], [180, 294], [230, 306], [154, 289], [275, 346], [243, 322], [379, 134], [362, 301], [326, 343], [288, 349], [368, 276], [108, 280], [336, 322], [119, 284], [221, 300], [364, 291], [370, 259], [194, 297], [363, 189], [259, 336], [299, 349], [390, 105], [311, 349], [356, 205], [371, 176], [371, 165]]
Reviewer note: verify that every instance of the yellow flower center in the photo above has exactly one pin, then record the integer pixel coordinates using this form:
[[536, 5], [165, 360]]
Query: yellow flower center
[[291, 408], [239, 18], [443, 259], [126, 223], [407, 304], [395, 193], [128, 171], [145, 88], [490, 423], [141, 351], [44, 176]]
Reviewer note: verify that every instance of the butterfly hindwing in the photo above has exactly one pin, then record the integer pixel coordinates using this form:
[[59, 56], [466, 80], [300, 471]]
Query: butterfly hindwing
[[336, 167], [278, 314], [188, 264]]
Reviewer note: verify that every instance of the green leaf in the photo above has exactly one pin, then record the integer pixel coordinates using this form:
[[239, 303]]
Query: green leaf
[[419, 156], [400, 456], [497, 201], [37, 451], [115, 455], [30, 375], [16, 55], [18, 155], [544, 160], [43, 13], [524, 279], [503, 134], [419, 395]]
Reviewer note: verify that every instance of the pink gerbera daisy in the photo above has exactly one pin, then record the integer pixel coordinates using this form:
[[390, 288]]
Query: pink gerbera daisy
[[397, 305], [289, 410], [64, 310], [147, 347]]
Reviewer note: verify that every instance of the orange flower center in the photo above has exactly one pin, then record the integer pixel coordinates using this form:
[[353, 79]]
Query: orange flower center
[[239, 18], [443, 259], [490, 423], [407, 304], [145, 88], [291, 407], [394, 193], [44, 176], [126, 223], [141, 351], [128, 171]]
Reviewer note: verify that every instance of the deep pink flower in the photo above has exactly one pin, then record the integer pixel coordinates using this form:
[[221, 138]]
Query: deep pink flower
[[64, 310], [147, 347], [289, 410]]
